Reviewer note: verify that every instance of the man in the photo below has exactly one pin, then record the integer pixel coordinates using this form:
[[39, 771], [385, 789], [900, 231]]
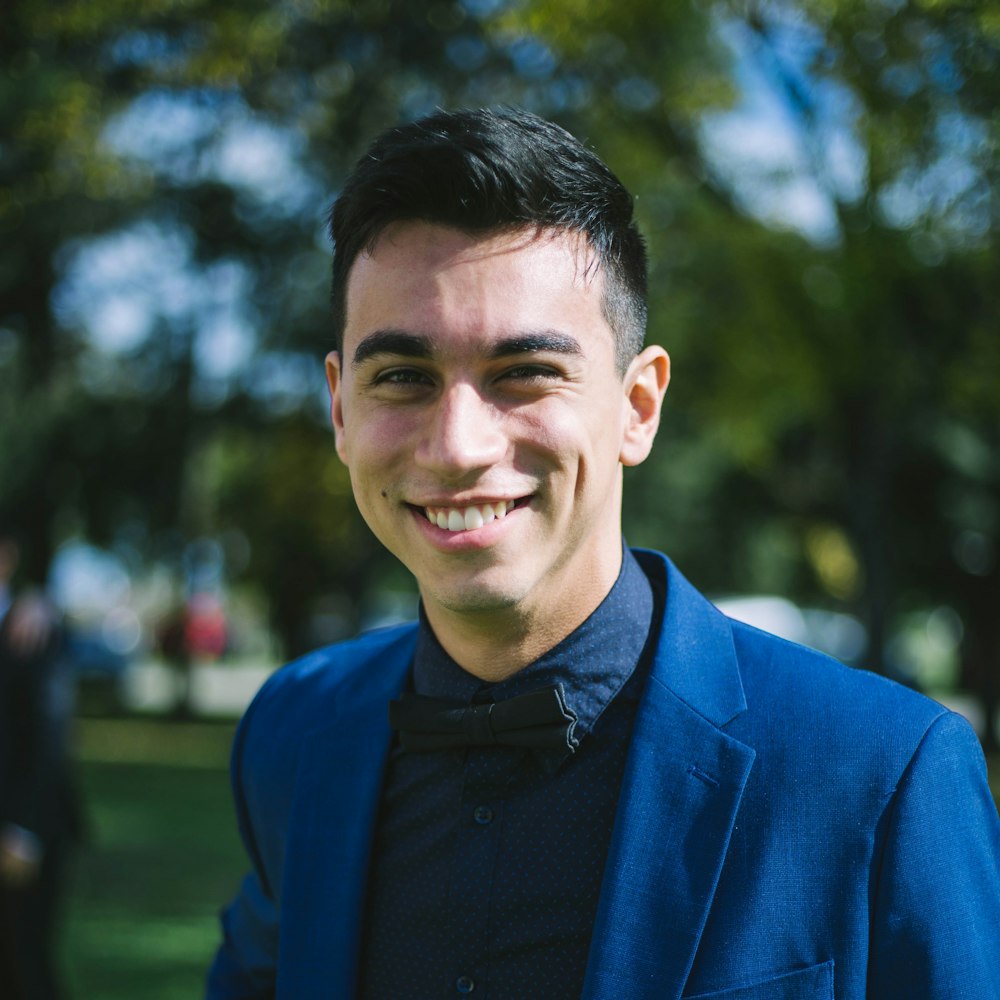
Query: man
[[39, 817], [594, 783]]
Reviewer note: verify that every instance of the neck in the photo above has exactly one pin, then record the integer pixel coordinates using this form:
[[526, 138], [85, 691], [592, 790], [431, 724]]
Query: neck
[[494, 644]]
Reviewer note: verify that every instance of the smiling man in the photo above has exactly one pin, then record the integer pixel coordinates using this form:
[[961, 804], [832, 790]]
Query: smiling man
[[485, 423], [573, 776]]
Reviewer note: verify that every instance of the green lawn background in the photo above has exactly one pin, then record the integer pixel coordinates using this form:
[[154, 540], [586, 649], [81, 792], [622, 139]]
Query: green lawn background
[[163, 856]]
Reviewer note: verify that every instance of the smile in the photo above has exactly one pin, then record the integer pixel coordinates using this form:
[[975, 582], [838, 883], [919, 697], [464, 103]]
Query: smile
[[468, 518]]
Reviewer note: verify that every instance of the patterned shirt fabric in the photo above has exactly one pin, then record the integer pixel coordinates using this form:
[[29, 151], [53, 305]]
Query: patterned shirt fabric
[[487, 862]]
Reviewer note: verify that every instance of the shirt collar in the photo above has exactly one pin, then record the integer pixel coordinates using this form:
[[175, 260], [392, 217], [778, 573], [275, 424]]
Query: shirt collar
[[592, 663]]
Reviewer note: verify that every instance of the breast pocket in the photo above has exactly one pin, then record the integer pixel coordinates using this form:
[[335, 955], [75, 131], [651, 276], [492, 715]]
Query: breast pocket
[[814, 983]]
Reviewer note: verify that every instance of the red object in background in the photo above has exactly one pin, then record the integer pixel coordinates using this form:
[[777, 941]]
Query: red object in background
[[205, 627]]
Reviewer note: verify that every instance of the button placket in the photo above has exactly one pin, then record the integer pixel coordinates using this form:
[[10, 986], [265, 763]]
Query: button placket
[[477, 845]]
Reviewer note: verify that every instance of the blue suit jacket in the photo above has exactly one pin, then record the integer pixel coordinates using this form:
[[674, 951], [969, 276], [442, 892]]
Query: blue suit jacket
[[787, 827]]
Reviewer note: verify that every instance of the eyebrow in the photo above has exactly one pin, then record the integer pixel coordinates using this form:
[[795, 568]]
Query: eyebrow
[[409, 345], [541, 341], [413, 345]]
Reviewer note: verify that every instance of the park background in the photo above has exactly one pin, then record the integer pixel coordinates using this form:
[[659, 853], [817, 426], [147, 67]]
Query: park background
[[818, 183]]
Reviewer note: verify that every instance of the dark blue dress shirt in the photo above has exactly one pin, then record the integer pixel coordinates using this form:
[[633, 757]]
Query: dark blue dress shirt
[[487, 862]]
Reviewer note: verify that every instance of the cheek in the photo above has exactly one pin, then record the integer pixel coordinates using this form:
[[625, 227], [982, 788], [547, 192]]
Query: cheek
[[579, 457], [371, 441], [540, 439], [370, 497], [574, 435]]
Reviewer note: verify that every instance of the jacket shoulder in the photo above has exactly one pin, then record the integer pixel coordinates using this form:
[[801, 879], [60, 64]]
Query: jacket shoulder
[[311, 693], [777, 670], [305, 690], [805, 706]]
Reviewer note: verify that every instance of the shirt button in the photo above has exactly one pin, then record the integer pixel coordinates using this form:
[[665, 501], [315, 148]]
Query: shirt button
[[482, 815], [465, 984]]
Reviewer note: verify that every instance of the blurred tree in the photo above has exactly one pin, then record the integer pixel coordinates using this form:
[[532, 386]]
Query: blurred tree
[[828, 293], [838, 389], [163, 190]]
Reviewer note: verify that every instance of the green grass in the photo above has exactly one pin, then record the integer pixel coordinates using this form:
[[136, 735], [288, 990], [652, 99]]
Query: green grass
[[163, 856]]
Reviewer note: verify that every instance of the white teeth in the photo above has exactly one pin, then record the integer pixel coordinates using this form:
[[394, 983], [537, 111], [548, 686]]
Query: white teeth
[[468, 518]]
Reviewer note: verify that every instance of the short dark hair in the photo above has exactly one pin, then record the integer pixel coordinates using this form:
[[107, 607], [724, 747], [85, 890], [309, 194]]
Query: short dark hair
[[484, 171]]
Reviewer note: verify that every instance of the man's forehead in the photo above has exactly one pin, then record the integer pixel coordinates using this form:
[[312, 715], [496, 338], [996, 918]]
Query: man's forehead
[[435, 244], [423, 283]]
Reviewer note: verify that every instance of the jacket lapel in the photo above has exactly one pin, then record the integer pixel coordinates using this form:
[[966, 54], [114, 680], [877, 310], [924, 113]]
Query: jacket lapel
[[680, 793], [337, 793]]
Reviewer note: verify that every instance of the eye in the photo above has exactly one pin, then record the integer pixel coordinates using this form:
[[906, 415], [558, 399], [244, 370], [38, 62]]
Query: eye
[[530, 373], [401, 377]]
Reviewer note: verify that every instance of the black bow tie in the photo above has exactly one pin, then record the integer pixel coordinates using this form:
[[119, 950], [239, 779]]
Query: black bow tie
[[538, 720]]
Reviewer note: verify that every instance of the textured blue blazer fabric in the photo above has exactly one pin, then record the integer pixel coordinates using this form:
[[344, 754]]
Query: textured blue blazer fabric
[[787, 827]]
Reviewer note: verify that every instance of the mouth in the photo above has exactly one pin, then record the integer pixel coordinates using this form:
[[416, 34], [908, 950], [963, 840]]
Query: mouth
[[470, 517]]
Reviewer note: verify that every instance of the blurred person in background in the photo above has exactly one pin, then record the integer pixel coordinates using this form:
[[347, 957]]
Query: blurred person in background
[[39, 816], [573, 776]]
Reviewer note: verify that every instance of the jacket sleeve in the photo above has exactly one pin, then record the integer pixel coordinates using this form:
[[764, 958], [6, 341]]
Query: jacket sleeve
[[246, 963], [244, 966], [936, 906]]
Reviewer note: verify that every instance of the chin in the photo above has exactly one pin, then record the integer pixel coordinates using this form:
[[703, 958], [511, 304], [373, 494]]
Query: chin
[[475, 598]]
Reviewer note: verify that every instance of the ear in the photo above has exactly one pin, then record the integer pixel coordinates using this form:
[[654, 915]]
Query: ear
[[334, 379], [645, 384]]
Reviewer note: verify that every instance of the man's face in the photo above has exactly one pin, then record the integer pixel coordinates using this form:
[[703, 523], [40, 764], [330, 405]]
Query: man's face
[[478, 409]]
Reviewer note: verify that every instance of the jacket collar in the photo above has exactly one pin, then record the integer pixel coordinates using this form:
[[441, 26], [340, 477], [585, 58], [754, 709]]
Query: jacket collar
[[680, 793], [695, 657]]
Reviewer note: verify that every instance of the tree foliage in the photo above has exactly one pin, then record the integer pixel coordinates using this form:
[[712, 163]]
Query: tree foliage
[[830, 302]]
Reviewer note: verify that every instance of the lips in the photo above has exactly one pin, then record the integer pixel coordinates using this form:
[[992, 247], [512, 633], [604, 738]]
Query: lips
[[468, 518]]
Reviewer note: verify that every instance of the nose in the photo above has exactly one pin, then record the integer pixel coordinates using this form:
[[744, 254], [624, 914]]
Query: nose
[[463, 434]]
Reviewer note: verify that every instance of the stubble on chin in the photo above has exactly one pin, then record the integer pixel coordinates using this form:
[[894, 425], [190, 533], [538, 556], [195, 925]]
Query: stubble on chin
[[472, 597]]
